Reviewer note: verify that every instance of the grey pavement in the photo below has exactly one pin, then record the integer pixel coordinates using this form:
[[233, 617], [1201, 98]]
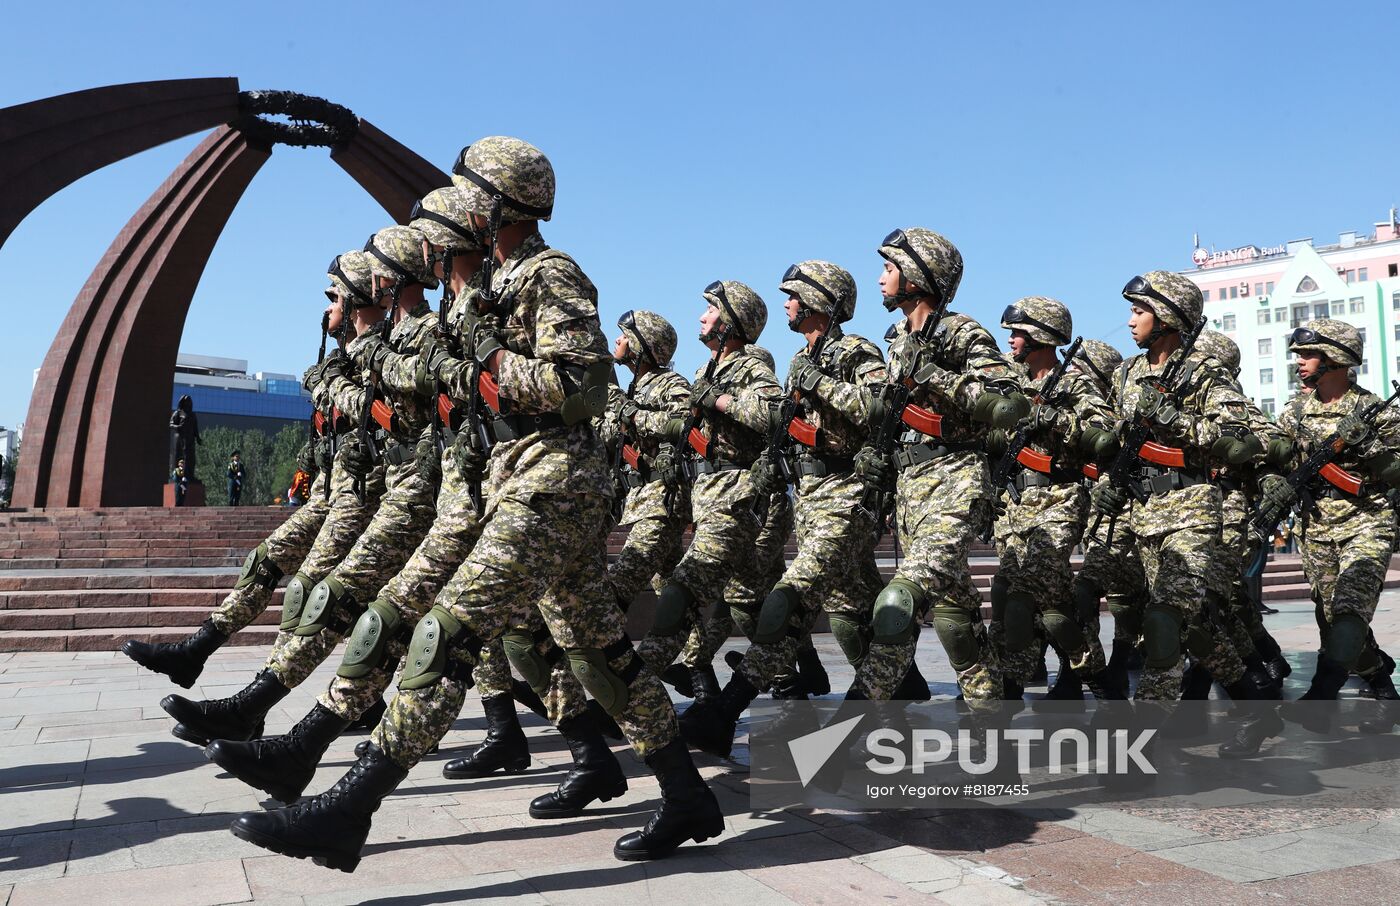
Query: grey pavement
[[99, 802]]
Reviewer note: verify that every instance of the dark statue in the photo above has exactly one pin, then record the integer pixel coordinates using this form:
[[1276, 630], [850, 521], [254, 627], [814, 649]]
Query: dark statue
[[184, 435]]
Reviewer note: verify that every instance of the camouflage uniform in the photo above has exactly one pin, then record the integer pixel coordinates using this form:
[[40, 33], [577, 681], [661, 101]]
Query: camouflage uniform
[[1346, 543], [834, 570], [543, 540], [1037, 533], [1178, 529], [722, 505]]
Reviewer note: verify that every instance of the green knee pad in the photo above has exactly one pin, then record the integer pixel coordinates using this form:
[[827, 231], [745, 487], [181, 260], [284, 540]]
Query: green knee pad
[[1086, 597], [851, 636], [1346, 639], [329, 604], [1200, 640], [259, 570], [426, 661], [745, 616], [609, 688], [672, 605], [1161, 632], [293, 600], [954, 628], [1018, 628], [893, 620], [1126, 616], [774, 618], [1063, 630], [369, 640], [527, 660]]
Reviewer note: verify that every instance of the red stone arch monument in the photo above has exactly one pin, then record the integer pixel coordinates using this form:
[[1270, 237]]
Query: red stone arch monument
[[111, 366]]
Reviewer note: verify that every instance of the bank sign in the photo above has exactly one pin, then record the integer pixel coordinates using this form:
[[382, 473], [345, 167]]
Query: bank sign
[[1245, 253]]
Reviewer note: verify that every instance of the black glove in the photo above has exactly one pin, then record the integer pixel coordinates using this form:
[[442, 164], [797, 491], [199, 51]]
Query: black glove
[[306, 458], [766, 475], [627, 413], [355, 458], [1108, 499], [875, 469], [335, 366], [468, 457], [427, 460], [806, 376], [1353, 431], [703, 395], [1276, 497]]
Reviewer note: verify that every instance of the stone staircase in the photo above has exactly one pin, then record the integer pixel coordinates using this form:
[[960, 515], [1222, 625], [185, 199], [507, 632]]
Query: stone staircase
[[87, 580]]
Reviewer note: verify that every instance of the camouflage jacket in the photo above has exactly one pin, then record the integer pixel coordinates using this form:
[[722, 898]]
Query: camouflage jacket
[[1208, 402], [1309, 421], [842, 403], [740, 434], [348, 393], [551, 323], [399, 371], [1263, 427], [1077, 396], [968, 359]]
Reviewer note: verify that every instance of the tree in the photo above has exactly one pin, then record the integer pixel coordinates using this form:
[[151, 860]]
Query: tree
[[8, 473], [269, 462]]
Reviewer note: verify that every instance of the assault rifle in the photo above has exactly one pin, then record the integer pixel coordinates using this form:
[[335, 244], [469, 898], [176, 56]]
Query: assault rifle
[[1017, 445], [690, 430], [318, 421], [1322, 464], [1138, 429], [373, 409]]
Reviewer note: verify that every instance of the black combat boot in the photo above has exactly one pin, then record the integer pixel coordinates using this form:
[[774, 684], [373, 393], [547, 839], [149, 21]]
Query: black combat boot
[[1378, 678], [1275, 663], [1388, 700], [709, 724], [528, 697], [238, 717], [1117, 668], [678, 677], [810, 668], [704, 682], [182, 661], [1261, 720], [1068, 687], [504, 749], [281, 766], [595, 774], [371, 718], [1257, 672], [1102, 685], [688, 809], [1041, 674], [1327, 681], [330, 829], [913, 688]]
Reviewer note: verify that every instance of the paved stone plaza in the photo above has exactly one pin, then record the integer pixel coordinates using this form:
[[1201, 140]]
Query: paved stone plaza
[[100, 804]]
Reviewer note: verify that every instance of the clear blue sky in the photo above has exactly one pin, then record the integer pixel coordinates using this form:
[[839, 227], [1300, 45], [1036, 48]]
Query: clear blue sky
[[1063, 147]]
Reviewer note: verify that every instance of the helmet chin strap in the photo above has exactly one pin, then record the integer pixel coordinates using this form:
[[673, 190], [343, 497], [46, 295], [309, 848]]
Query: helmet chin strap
[[1323, 368], [908, 292], [795, 322]]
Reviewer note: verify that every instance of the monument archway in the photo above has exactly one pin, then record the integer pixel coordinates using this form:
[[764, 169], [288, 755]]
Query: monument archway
[[110, 370]]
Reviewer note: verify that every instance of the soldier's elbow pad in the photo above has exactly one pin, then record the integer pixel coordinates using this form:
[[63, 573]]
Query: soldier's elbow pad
[[1099, 445]]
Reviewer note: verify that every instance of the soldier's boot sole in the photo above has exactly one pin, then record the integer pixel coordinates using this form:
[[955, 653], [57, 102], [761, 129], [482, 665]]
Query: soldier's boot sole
[[199, 738], [485, 760]]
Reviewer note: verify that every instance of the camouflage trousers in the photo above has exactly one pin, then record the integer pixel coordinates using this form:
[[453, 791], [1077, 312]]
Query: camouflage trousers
[[1114, 571], [1177, 534], [287, 547], [342, 526], [746, 589], [653, 548], [1034, 540], [834, 571], [378, 552], [1346, 560], [722, 546], [940, 505], [535, 550]]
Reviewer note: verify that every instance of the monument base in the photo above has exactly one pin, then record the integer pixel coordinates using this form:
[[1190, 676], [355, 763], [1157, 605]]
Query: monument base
[[194, 494]]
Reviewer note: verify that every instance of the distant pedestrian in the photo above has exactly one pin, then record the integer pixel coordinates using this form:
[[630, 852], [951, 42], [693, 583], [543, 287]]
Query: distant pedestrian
[[236, 474], [180, 480]]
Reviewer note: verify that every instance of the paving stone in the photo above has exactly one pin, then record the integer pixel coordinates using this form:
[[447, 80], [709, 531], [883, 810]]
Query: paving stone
[[502, 887], [83, 701], [155, 727], [38, 809], [178, 885], [22, 765], [19, 737]]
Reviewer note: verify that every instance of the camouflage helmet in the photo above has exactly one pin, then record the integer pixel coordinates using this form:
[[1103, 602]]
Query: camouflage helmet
[[1099, 359], [1337, 340], [1173, 300], [442, 216], [650, 335], [350, 279], [514, 170], [1044, 319], [822, 287], [1215, 345], [925, 259], [397, 252], [739, 307], [763, 355]]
